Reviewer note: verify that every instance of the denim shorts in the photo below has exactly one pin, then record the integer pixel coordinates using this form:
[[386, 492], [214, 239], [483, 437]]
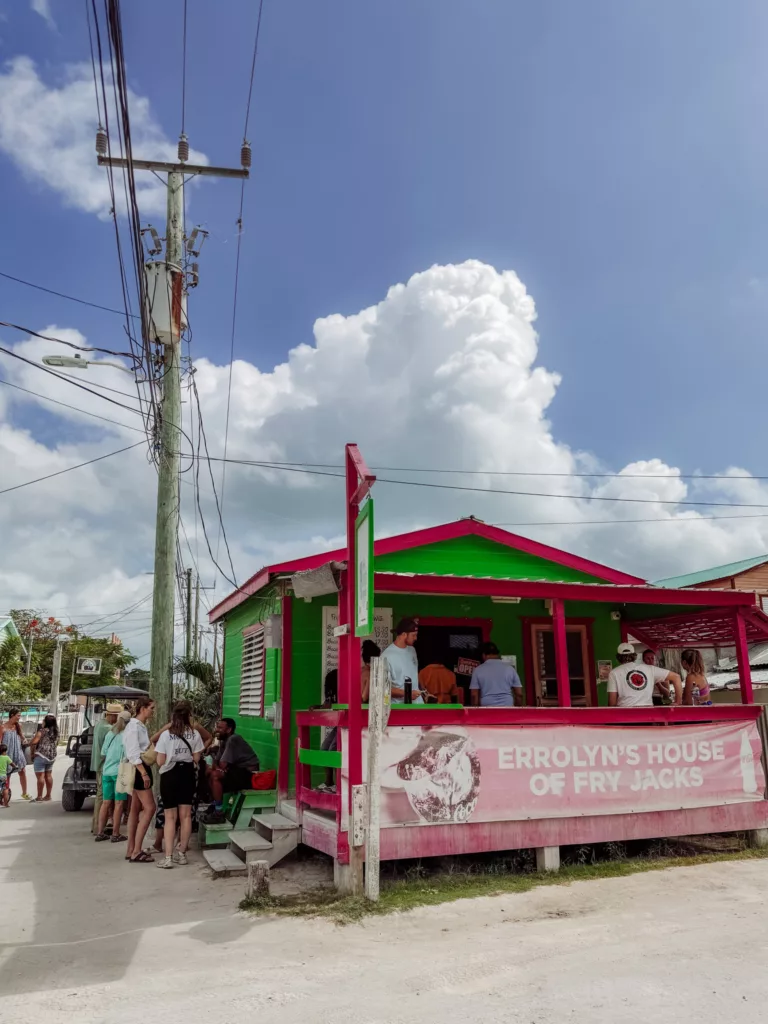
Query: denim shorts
[[42, 764]]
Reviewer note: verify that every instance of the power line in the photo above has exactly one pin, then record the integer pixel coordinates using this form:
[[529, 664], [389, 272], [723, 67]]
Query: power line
[[494, 490], [277, 464], [184, 69], [69, 469], [61, 341], [84, 412], [63, 295], [237, 272], [619, 522]]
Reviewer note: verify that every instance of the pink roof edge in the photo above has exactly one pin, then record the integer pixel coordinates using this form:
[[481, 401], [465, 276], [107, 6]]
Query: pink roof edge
[[420, 538]]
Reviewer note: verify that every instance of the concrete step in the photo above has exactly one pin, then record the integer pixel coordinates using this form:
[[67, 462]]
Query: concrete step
[[224, 863]]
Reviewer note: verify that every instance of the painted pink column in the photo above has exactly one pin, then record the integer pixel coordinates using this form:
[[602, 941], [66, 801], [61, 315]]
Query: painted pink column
[[286, 670], [561, 654], [742, 657]]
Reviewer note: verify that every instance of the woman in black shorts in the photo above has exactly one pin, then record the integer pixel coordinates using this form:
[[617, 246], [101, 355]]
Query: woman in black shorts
[[178, 750]]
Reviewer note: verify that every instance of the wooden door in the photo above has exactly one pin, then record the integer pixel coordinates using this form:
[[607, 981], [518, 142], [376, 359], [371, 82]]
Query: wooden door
[[542, 642]]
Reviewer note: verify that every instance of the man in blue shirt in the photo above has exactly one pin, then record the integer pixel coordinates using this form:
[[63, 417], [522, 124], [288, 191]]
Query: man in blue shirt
[[495, 684]]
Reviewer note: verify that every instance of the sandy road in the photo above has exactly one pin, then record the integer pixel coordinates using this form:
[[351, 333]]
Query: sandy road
[[86, 937]]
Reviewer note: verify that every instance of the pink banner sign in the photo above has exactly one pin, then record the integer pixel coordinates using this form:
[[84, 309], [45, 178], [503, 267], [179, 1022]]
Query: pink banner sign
[[507, 773]]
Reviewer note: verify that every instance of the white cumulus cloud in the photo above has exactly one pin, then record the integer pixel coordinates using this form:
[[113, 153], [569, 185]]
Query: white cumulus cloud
[[49, 132], [443, 373]]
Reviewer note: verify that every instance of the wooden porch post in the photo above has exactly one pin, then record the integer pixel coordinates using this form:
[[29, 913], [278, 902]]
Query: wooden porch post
[[742, 657], [561, 654]]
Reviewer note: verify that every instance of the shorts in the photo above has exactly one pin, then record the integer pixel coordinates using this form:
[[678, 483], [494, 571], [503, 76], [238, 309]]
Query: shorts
[[138, 781], [237, 778], [329, 743], [42, 764], [108, 791], [177, 785]]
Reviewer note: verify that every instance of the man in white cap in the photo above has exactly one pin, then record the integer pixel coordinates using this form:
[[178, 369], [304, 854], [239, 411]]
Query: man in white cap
[[100, 731], [631, 683]]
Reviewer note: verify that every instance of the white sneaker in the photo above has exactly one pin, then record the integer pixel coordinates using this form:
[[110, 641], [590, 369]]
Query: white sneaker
[[180, 858], [166, 862]]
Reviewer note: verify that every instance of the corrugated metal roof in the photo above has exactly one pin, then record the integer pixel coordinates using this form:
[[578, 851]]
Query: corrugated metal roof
[[717, 572], [758, 656]]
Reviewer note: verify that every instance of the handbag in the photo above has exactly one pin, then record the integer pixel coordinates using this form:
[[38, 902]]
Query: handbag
[[126, 776], [149, 756]]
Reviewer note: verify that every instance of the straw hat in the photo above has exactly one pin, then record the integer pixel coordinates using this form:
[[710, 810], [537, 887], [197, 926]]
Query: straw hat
[[114, 709]]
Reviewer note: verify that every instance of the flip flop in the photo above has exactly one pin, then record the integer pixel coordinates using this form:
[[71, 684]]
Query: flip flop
[[142, 858]]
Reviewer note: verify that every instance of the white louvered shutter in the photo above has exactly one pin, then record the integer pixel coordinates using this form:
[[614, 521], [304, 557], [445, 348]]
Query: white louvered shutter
[[252, 673]]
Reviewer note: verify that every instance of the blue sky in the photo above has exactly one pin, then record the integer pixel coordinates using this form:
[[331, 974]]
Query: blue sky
[[610, 154]]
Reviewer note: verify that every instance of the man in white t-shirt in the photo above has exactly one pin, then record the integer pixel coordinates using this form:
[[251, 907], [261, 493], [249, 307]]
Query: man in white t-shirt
[[402, 661], [630, 684]]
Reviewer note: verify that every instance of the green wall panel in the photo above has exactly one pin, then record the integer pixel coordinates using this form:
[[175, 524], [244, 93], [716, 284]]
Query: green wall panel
[[476, 556]]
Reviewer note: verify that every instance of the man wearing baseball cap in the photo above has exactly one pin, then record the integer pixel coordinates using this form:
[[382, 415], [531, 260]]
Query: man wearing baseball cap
[[100, 731], [631, 683], [402, 661]]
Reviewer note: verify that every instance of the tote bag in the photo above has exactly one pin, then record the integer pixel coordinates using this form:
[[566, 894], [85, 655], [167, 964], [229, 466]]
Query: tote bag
[[126, 775]]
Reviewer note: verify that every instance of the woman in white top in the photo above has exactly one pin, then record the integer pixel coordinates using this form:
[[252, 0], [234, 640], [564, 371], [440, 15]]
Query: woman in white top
[[178, 749], [135, 743]]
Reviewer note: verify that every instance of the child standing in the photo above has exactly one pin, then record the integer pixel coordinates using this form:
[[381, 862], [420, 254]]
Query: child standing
[[6, 767]]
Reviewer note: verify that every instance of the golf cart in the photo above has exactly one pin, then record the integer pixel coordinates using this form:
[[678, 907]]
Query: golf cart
[[80, 780]]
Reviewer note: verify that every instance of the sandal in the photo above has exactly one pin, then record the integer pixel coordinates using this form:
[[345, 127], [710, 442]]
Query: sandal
[[142, 858], [102, 837], [119, 839]]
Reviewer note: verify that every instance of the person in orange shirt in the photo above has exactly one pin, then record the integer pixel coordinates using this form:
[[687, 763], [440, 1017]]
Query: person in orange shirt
[[441, 683]]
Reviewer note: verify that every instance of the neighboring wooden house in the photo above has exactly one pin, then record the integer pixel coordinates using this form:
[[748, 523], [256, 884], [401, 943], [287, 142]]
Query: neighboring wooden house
[[8, 629], [749, 574]]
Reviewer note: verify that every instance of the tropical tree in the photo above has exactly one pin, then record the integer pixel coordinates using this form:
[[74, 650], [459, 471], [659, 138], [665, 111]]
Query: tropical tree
[[15, 687], [205, 695], [41, 633]]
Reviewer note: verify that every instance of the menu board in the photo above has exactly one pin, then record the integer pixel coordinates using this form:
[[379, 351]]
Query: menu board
[[382, 635]]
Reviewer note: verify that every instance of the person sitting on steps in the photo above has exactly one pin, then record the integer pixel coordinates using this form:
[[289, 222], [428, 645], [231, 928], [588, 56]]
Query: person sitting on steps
[[232, 769]]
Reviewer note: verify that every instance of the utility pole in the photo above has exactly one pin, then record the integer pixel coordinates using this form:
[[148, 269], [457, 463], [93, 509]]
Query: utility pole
[[197, 618], [165, 318], [56, 677], [188, 649]]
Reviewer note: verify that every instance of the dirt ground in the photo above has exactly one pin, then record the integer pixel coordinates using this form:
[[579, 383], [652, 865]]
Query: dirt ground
[[86, 936]]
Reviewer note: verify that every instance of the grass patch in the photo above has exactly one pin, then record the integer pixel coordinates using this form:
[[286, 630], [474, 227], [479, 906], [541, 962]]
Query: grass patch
[[421, 887]]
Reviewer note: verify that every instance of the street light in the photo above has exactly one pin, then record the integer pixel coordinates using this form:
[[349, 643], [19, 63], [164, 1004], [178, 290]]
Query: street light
[[61, 638], [82, 364]]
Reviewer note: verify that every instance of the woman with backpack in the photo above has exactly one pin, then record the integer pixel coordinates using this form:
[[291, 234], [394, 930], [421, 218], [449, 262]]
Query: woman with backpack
[[44, 747], [179, 748]]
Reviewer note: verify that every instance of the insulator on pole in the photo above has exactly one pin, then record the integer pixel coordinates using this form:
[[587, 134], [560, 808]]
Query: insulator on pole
[[101, 141], [245, 154], [183, 149]]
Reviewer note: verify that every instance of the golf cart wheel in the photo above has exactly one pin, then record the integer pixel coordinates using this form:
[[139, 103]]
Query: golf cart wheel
[[72, 799]]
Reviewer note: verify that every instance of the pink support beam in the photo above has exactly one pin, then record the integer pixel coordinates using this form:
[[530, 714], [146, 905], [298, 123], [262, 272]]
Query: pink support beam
[[561, 654], [468, 586], [286, 665], [742, 657]]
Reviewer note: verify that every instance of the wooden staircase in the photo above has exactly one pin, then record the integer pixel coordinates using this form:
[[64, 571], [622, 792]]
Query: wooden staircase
[[269, 837]]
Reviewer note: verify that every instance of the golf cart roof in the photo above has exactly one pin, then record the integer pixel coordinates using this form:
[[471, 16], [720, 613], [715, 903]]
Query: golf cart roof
[[118, 692]]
